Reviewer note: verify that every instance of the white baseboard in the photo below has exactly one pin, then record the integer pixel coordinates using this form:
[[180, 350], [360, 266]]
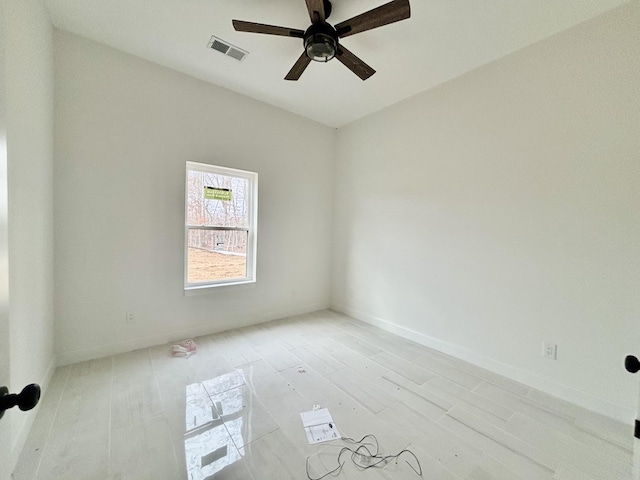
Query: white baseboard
[[20, 439], [66, 358], [565, 392]]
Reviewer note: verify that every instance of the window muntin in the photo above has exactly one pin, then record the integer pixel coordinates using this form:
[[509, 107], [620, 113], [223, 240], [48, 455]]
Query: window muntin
[[220, 227]]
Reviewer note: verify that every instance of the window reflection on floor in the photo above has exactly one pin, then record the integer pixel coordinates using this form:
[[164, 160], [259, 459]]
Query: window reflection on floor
[[209, 441]]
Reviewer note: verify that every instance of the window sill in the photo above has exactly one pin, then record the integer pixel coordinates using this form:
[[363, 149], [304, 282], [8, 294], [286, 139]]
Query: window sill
[[200, 289]]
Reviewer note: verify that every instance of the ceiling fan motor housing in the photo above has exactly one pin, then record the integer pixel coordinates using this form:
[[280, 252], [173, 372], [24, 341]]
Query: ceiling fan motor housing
[[321, 42]]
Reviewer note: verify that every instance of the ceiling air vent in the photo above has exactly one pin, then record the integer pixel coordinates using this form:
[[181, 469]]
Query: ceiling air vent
[[226, 48]]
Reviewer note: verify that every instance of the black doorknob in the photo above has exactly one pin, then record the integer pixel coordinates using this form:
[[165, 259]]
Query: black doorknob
[[632, 364], [25, 400]]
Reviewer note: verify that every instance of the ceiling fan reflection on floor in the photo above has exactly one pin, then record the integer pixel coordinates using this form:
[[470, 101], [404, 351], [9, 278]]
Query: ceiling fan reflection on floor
[[321, 40]]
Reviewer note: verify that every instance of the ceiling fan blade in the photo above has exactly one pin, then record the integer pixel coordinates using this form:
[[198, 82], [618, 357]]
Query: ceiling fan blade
[[353, 63], [384, 15], [242, 26], [316, 11], [301, 64]]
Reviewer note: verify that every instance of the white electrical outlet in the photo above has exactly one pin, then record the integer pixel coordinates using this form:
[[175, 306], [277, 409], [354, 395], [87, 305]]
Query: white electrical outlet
[[550, 350], [130, 318]]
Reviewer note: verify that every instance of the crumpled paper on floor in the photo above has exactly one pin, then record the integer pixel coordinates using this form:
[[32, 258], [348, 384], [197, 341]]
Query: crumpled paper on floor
[[184, 349]]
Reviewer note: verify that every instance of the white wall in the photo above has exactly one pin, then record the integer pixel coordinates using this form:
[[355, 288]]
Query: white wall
[[502, 210], [124, 128], [29, 119]]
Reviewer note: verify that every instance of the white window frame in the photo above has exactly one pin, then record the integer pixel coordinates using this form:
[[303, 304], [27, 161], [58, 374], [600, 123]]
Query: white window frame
[[251, 229]]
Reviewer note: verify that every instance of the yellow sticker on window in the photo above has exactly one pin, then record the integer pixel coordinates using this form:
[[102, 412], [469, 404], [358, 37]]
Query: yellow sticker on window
[[213, 193]]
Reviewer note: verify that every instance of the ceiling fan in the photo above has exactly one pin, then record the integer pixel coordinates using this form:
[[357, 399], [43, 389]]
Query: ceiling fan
[[321, 39]]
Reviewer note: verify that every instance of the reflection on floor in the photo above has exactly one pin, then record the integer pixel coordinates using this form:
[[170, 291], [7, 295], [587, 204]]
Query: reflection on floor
[[213, 420], [232, 412]]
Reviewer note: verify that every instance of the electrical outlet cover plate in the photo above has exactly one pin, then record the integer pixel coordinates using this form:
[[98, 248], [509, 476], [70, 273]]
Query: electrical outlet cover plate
[[550, 350]]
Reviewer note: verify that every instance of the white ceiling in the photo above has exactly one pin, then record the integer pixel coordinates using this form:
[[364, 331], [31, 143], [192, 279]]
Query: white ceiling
[[442, 40]]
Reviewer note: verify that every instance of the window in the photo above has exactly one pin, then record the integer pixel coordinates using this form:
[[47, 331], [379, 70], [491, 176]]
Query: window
[[220, 226]]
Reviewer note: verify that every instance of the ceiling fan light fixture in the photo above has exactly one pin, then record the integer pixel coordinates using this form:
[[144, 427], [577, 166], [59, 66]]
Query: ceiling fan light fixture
[[321, 47], [321, 42]]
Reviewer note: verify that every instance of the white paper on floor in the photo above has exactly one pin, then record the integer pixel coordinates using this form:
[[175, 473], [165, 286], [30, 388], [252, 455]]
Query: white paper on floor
[[319, 426]]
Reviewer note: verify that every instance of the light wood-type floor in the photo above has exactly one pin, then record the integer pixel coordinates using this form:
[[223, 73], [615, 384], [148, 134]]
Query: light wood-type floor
[[232, 412]]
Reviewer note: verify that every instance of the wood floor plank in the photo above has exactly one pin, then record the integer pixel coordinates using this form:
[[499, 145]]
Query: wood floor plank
[[364, 392], [326, 460], [357, 345], [567, 450], [445, 387], [133, 446], [400, 387], [426, 406], [317, 359], [235, 348], [489, 468], [591, 436], [516, 461], [354, 420], [615, 432], [431, 468], [463, 459], [486, 375], [264, 380], [384, 341], [448, 371], [313, 386], [620, 430], [265, 457], [514, 402], [285, 410], [364, 366], [277, 356], [407, 369], [516, 444], [566, 472]]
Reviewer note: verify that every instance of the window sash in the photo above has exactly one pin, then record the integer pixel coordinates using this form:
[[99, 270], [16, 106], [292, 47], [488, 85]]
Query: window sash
[[251, 199]]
